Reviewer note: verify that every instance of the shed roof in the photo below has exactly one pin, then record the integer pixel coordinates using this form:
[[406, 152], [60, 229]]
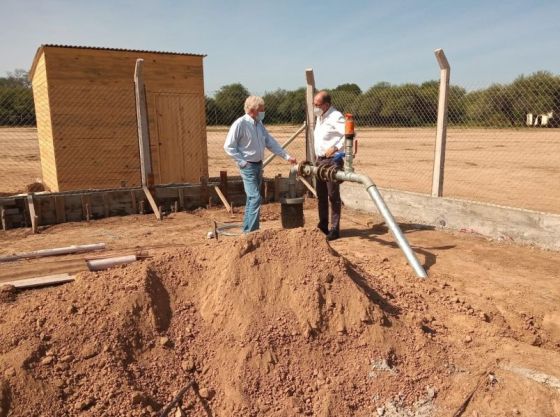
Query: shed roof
[[51, 45]]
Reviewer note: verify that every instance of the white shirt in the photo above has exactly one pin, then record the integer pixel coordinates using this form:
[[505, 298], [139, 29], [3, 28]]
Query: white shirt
[[247, 140], [329, 131]]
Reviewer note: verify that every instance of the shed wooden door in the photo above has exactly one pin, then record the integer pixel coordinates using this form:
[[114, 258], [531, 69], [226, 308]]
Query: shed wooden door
[[180, 137]]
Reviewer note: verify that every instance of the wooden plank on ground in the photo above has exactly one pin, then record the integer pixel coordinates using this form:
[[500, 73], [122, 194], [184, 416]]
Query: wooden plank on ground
[[152, 202], [54, 252], [40, 281], [71, 264]]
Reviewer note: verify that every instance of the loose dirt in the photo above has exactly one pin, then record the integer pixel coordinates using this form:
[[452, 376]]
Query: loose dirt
[[268, 331], [282, 323]]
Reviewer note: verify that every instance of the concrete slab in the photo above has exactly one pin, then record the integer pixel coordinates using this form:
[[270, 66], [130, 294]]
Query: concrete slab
[[518, 225]]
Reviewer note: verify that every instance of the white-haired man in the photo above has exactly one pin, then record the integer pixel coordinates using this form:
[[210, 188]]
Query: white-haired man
[[245, 143]]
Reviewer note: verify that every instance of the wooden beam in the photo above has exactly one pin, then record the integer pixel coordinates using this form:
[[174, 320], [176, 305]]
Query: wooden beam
[[223, 184], [309, 95], [39, 281], [152, 202], [32, 215], [441, 132], [55, 208], [308, 186], [53, 252], [142, 120], [223, 198], [285, 144], [3, 218], [7, 201]]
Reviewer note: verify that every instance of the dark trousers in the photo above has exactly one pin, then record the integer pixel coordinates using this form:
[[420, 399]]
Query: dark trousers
[[329, 191]]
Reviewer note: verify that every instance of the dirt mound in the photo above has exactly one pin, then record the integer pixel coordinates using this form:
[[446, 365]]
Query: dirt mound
[[8, 293], [271, 324]]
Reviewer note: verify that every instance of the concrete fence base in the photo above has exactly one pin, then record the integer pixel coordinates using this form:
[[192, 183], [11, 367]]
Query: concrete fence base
[[519, 225]]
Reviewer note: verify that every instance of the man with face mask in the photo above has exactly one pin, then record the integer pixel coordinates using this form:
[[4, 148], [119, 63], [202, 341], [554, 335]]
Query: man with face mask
[[329, 139], [245, 143]]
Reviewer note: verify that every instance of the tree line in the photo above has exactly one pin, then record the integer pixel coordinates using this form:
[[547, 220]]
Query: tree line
[[384, 104], [16, 100], [406, 105]]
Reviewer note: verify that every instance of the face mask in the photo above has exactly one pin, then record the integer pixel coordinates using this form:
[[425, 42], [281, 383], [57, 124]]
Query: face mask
[[317, 111], [261, 115]]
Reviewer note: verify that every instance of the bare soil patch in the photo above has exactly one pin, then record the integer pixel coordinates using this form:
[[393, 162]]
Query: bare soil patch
[[511, 167], [281, 323]]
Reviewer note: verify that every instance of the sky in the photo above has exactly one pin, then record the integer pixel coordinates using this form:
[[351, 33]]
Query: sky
[[266, 45]]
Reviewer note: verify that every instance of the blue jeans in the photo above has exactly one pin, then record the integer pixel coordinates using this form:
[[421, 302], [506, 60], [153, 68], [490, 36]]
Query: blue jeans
[[252, 179]]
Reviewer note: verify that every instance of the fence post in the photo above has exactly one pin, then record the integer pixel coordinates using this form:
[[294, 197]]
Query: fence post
[[310, 116], [441, 132], [142, 120]]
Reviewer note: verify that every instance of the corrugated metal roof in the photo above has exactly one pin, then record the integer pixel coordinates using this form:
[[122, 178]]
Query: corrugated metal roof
[[52, 45]]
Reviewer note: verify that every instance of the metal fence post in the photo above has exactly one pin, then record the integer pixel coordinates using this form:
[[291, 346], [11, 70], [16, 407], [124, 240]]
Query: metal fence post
[[441, 132], [143, 134], [310, 116]]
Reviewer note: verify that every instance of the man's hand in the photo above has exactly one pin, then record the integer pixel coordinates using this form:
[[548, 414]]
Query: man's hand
[[331, 151], [292, 160]]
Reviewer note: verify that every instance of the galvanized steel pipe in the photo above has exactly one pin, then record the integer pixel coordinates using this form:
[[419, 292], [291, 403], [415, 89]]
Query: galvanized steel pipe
[[308, 169]]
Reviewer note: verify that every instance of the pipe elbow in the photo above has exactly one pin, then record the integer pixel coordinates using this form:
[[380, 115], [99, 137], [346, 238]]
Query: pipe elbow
[[365, 180]]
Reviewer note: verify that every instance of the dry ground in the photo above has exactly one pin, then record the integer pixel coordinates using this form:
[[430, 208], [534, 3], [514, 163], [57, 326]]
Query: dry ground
[[513, 292], [20, 163], [519, 168]]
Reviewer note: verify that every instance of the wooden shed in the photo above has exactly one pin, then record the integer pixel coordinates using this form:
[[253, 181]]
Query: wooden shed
[[87, 124]]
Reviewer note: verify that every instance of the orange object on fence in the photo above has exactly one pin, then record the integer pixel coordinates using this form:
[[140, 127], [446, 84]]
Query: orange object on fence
[[349, 125]]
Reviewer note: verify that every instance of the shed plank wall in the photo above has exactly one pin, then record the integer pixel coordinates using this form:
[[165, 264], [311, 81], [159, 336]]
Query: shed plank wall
[[96, 137], [44, 126], [67, 65], [92, 108]]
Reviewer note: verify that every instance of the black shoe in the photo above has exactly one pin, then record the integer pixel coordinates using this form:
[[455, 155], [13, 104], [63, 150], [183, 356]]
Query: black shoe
[[325, 230], [333, 234]]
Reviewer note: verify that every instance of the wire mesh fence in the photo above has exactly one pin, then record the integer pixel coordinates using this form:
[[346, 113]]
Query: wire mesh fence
[[61, 149], [503, 143], [19, 149]]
